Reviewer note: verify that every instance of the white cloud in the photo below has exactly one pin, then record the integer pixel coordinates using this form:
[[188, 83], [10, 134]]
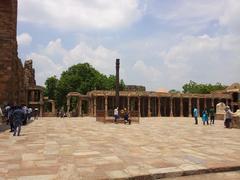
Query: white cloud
[[54, 58], [146, 72], [24, 39], [100, 57], [76, 14], [187, 11], [197, 15], [45, 67], [230, 15], [204, 59]]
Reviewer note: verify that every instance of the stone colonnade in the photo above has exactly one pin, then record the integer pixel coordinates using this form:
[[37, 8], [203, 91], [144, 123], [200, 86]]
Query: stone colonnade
[[150, 104]]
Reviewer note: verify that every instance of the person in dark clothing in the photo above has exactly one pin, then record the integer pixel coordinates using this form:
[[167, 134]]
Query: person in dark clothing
[[18, 118], [228, 117], [10, 117], [212, 115], [126, 117]]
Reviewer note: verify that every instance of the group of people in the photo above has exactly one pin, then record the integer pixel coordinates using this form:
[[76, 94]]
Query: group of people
[[211, 113], [123, 113], [61, 113], [16, 116]]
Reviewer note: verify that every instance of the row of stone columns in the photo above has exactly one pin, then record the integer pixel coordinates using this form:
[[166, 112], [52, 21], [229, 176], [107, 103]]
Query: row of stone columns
[[159, 105]]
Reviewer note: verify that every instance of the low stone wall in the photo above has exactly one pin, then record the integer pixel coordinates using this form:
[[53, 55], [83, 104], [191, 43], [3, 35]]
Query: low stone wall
[[236, 122], [219, 117]]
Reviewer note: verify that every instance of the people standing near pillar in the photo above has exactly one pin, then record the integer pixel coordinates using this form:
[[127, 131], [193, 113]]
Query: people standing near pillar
[[195, 115], [212, 115], [228, 117], [18, 118], [205, 117], [116, 115]]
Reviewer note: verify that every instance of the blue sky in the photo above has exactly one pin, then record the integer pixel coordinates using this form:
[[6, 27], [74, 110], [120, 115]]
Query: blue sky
[[162, 44]]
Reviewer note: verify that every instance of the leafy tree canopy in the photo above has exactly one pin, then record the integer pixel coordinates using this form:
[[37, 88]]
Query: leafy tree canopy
[[51, 85], [174, 91], [80, 78], [193, 87]]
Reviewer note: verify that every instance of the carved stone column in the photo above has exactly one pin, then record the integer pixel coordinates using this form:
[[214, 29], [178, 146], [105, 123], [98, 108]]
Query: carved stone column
[[32, 96], [94, 106], [139, 106], [205, 102], [90, 109], [80, 107], [128, 103], [41, 110], [149, 107], [68, 106], [106, 105], [181, 106], [198, 106], [159, 107], [190, 107], [171, 110], [227, 102], [53, 107]]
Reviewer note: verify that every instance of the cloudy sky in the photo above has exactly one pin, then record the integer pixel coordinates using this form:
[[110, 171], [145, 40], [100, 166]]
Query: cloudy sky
[[161, 43]]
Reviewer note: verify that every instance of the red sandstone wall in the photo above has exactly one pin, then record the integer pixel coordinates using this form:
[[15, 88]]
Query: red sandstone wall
[[11, 69]]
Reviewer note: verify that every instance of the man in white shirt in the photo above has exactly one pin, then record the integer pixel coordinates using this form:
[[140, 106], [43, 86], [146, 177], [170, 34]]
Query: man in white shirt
[[115, 114]]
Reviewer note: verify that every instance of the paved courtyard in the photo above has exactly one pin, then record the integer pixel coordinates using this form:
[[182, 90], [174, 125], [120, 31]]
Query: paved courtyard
[[81, 148]]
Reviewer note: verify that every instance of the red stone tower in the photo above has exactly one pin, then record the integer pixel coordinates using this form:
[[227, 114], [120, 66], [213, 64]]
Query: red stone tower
[[11, 69]]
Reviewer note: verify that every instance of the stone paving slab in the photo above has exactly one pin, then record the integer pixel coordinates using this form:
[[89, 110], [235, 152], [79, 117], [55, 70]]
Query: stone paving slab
[[81, 148]]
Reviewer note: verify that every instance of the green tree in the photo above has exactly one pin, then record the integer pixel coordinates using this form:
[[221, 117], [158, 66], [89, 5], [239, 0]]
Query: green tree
[[193, 87], [83, 78], [51, 87]]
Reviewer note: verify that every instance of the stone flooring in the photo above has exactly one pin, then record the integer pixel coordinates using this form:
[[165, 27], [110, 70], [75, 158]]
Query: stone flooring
[[81, 148]]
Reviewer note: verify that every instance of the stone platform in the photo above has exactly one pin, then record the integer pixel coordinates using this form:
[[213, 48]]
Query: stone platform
[[81, 148]]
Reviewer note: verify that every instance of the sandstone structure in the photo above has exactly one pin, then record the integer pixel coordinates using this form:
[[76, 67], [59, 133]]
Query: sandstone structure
[[151, 104], [17, 82], [11, 68]]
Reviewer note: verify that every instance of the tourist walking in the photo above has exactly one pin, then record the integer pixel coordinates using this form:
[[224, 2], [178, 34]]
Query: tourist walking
[[205, 117], [212, 115], [116, 116], [29, 115], [195, 115], [18, 118], [25, 110], [126, 117], [228, 117], [10, 117]]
